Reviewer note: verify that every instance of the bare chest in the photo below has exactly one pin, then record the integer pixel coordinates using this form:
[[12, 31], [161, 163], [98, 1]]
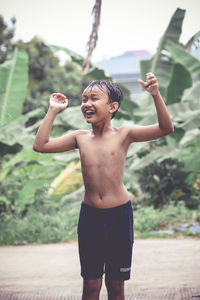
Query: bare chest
[[102, 151]]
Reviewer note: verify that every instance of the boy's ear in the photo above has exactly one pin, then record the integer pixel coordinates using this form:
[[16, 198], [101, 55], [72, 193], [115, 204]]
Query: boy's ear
[[113, 107]]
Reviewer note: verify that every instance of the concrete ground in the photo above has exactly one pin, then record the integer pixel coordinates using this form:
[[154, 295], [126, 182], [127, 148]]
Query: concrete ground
[[162, 269]]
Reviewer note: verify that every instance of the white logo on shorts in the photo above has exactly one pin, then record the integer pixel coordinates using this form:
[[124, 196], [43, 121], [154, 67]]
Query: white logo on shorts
[[125, 269]]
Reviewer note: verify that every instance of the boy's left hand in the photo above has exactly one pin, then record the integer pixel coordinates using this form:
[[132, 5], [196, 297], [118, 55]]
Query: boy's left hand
[[151, 84]]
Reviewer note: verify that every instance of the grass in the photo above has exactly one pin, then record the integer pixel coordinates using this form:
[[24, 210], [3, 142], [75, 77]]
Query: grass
[[61, 225]]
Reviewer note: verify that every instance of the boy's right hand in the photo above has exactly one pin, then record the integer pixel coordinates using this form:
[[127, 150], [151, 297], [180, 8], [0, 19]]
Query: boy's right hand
[[58, 102]]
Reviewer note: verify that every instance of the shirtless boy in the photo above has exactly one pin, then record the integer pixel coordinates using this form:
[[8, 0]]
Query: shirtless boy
[[105, 229]]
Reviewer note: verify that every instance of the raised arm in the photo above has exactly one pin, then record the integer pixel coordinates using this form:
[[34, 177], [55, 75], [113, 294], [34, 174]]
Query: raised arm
[[64, 143], [155, 131]]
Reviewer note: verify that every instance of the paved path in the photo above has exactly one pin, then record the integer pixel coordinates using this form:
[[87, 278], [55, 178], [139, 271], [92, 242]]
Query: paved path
[[162, 269]]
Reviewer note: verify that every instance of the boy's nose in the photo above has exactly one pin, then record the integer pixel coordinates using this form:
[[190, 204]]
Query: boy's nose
[[87, 104]]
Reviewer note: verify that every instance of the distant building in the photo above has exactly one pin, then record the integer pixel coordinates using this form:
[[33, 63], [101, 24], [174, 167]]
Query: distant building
[[125, 69], [196, 52]]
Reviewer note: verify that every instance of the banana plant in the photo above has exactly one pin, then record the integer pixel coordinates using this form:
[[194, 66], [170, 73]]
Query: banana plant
[[175, 69], [164, 67], [13, 84]]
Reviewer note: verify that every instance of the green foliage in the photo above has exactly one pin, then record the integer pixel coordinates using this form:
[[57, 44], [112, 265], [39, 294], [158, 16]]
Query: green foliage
[[175, 69], [167, 173], [178, 54], [6, 36], [14, 133], [47, 76], [13, 83], [176, 214], [162, 65], [165, 221], [166, 182], [145, 219], [30, 172], [37, 227]]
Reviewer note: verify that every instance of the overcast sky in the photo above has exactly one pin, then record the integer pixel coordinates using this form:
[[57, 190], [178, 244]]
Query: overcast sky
[[125, 24]]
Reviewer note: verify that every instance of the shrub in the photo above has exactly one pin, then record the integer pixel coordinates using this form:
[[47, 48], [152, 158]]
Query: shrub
[[167, 182]]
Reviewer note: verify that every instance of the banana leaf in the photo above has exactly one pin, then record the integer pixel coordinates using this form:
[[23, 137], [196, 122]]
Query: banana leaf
[[26, 195], [185, 115], [181, 56], [161, 64], [77, 58], [172, 33], [145, 67], [97, 74], [13, 84], [67, 181], [192, 93], [189, 136], [66, 158], [73, 198], [94, 72], [192, 41], [15, 132], [189, 154], [158, 154], [73, 117]]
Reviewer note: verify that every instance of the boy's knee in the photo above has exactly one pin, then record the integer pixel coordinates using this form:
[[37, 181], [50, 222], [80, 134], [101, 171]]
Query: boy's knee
[[92, 287], [114, 286]]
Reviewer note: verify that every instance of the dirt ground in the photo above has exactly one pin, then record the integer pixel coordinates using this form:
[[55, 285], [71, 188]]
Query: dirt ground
[[158, 265]]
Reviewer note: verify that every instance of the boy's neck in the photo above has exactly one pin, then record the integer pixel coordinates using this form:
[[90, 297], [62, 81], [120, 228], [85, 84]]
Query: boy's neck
[[101, 129]]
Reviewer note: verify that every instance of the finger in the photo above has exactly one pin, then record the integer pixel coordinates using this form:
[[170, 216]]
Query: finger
[[149, 77], [63, 105], [58, 96], [141, 82], [59, 104], [150, 74], [59, 101], [61, 95], [151, 82]]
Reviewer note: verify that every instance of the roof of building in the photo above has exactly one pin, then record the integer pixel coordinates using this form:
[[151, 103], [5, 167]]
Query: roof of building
[[127, 63]]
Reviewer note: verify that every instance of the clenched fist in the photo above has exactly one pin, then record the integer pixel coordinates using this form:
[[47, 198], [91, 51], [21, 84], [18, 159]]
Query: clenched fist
[[58, 102]]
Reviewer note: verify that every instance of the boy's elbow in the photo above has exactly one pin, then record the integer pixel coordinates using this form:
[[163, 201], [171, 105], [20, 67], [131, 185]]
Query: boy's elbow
[[169, 130], [36, 148]]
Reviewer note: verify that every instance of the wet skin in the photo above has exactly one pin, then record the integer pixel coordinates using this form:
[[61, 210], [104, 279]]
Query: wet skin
[[102, 152], [102, 149]]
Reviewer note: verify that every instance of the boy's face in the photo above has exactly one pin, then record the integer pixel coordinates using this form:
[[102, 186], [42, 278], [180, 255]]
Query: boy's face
[[95, 106]]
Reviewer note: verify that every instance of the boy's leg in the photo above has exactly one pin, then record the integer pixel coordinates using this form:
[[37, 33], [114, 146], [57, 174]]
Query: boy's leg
[[115, 289], [91, 289], [119, 251]]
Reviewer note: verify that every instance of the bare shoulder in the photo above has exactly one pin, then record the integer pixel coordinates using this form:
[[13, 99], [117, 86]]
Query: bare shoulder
[[81, 133]]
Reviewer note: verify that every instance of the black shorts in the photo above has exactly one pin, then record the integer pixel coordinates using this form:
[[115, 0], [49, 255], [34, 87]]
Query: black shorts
[[105, 238]]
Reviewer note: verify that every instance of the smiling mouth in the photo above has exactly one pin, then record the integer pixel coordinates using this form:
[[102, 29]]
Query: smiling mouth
[[89, 113]]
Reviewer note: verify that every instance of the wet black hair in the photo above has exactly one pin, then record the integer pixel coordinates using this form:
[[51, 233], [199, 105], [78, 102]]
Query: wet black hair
[[114, 92]]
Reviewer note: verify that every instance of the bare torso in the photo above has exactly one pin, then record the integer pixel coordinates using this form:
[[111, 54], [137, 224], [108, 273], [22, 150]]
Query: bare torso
[[102, 161], [103, 149]]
